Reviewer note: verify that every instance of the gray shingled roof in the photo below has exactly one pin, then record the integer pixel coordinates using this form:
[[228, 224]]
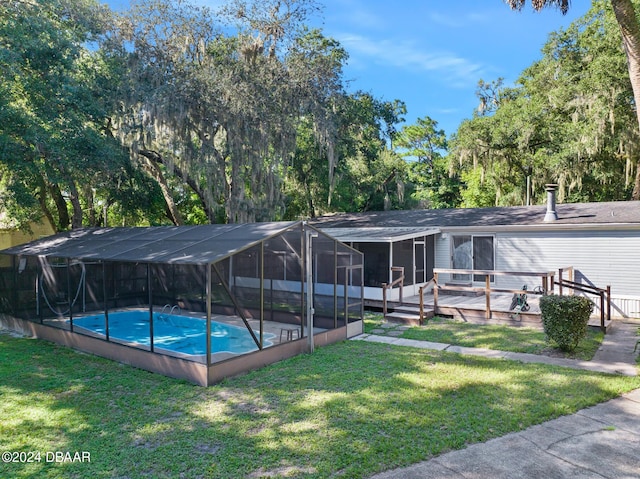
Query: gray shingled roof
[[378, 234], [616, 212]]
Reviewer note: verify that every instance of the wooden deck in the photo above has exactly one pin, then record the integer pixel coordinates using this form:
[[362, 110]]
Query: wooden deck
[[487, 304], [472, 309]]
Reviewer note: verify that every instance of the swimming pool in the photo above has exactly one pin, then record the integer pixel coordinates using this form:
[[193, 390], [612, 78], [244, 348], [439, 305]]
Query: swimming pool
[[181, 334]]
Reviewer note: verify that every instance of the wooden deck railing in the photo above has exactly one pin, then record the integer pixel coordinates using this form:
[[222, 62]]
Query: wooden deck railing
[[546, 283], [603, 293], [421, 290], [561, 271], [385, 286]]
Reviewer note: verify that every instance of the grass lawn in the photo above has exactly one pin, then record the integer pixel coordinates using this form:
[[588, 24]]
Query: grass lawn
[[350, 410], [497, 337]]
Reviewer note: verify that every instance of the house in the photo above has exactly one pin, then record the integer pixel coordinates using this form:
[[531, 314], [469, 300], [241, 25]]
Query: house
[[10, 235], [601, 241]]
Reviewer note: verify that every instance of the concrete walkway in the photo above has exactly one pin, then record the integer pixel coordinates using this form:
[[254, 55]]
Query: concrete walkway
[[602, 441]]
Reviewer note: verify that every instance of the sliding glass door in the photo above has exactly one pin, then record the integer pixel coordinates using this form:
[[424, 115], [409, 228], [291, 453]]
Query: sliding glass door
[[472, 252]]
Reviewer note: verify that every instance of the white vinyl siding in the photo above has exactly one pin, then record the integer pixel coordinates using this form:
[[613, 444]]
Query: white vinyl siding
[[442, 251], [599, 258]]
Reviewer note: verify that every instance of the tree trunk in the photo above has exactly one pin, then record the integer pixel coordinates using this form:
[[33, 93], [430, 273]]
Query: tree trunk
[[310, 205], [61, 205], [206, 206], [74, 197], [91, 205], [42, 199], [630, 28], [154, 170], [193, 184]]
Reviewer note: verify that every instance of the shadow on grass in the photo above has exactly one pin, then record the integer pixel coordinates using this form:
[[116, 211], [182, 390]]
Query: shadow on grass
[[351, 409]]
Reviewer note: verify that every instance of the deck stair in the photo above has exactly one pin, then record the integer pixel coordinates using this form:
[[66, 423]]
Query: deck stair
[[408, 313]]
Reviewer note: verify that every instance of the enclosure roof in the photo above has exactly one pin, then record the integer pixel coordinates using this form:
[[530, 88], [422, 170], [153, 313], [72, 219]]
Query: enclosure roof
[[618, 213], [160, 244], [378, 234]]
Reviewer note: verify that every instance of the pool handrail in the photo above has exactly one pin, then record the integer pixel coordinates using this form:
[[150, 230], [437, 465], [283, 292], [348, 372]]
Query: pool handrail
[[163, 312]]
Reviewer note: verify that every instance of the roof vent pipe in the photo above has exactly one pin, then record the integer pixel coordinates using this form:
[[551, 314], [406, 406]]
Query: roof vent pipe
[[551, 214]]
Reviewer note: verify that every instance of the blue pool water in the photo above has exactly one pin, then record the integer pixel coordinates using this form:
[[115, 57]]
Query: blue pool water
[[182, 334]]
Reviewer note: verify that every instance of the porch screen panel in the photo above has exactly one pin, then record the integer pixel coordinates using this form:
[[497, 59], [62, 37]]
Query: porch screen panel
[[420, 261], [17, 287], [324, 282], [431, 257], [403, 256], [282, 280], [87, 287], [356, 308], [7, 284], [355, 299], [179, 285], [376, 263], [59, 290], [95, 287], [349, 285], [129, 285], [246, 273], [220, 301]]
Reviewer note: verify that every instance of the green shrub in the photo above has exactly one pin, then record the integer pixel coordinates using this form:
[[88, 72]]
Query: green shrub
[[565, 319]]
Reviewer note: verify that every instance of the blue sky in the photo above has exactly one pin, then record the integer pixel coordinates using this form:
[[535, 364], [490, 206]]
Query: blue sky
[[431, 53]]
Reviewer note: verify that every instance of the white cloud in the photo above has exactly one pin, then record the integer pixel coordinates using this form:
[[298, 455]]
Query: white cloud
[[365, 19], [402, 54], [448, 111], [445, 20], [457, 21], [355, 13]]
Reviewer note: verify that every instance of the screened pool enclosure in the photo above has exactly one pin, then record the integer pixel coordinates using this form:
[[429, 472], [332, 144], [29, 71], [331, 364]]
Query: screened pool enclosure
[[196, 302]]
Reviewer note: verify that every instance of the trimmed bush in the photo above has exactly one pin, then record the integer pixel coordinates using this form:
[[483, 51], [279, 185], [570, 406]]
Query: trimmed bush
[[565, 319]]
